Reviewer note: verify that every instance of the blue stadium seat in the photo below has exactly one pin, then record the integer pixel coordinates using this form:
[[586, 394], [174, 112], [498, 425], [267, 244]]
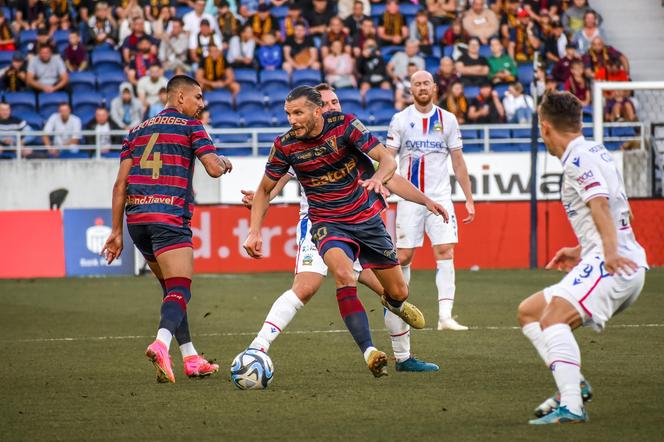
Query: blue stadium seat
[[623, 132], [250, 101], [270, 79], [521, 133], [181, 10], [408, 9], [86, 104], [448, 51], [525, 73], [382, 117], [27, 35], [377, 98], [8, 13], [109, 82], [309, 77], [219, 100], [68, 154], [279, 12], [432, 63], [49, 103], [469, 134], [471, 91], [440, 32], [6, 58], [347, 96], [225, 119], [485, 51], [22, 101], [499, 133], [82, 82], [508, 147], [364, 116], [105, 60], [34, 120], [257, 119], [280, 119], [389, 51], [501, 89], [351, 107], [587, 132], [473, 147], [85, 113], [377, 10], [61, 35], [613, 145], [246, 77], [230, 139], [61, 46]]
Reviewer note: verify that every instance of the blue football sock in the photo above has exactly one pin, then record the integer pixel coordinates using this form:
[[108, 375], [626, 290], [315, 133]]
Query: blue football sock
[[355, 317], [174, 305], [182, 334]]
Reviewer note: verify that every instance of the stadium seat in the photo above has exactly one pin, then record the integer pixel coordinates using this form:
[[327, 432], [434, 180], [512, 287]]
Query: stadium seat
[[21, 101], [27, 36], [82, 82], [377, 98], [279, 12], [525, 74], [521, 133], [109, 82], [231, 144], [61, 35], [448, 51], [473, 147], [501, 89], [469, 134], [408, 9], [613, 145], [440, 32], [347, 96], [105, 60], [623, 131], [499, 133], [257, 119], [471, 91], [6, 58], [85, 104], [8, 13], [86, 114], [68, 154], [270, 79], [49, 103], [308, 77], [587, 132], [225, 119], [365, 116], [61, 46], [389, 51], [219, 100], [508, 147], [246, 77], [382, 117], [436, 52], [351, 108], [432, 63], [34, 120], [485, 51], [377, 10], [250, 101], [181, 10], [280, 119]]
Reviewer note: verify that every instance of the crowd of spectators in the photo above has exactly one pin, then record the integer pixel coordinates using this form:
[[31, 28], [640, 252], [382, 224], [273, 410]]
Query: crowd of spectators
[[476, 50]]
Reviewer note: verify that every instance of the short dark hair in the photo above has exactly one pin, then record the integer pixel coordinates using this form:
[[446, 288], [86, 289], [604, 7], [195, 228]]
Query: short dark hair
[[310, 93], [180, 81], [324, 87], [563, 110]]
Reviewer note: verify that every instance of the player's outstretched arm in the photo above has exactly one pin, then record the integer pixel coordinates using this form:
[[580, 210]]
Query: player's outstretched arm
[[216, 165], [248, 197], [261, 202], [113, 246], [614, 263], [387, 165], [461, 174], [400, 186], [565, 259]]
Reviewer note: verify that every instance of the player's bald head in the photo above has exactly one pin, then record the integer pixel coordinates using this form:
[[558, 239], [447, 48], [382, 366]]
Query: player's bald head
[[423, 88], [421, 76]]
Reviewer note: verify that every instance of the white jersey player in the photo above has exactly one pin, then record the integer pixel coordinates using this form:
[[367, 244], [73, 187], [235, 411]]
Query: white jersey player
[[310, 269], [606, 269], [425, 136]]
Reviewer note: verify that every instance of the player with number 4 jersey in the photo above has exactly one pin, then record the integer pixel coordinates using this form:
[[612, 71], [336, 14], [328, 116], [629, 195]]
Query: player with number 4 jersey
[[154, 188]]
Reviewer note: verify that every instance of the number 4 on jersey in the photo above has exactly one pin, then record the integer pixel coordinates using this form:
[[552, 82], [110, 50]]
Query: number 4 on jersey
[[155, 163]]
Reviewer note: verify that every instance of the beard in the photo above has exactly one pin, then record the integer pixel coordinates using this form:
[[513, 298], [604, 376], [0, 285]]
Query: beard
[[423, 100]]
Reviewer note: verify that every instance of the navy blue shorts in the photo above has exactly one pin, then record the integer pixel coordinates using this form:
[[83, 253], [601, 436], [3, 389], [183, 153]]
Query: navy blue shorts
[[155, 239], [372, 244]]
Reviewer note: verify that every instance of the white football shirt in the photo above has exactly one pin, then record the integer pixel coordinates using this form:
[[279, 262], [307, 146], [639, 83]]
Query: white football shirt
[[590, 172], [424, 142]]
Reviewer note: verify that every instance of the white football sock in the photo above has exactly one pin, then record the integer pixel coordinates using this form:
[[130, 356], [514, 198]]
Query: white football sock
[[400, 335], [188, 350], [565, 362], [281, 314], [533, 331], [165, 336], [367, 352], [446, 287], [406, 273]]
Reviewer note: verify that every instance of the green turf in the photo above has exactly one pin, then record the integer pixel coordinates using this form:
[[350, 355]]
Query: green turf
[[489, 383]]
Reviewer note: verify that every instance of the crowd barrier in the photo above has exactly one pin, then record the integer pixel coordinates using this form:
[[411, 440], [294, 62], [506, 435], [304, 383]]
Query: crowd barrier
[[67, 242]]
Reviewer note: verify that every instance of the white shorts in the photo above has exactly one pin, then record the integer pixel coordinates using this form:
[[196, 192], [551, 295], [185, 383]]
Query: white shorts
[[414, 219], [595, 294], [308, 259]]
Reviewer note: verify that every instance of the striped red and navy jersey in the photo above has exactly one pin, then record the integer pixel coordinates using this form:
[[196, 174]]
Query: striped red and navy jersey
[[162, 149], [330, 167]]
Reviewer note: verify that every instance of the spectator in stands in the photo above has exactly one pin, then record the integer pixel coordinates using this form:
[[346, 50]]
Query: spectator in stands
[[456, 102], [270, 56], [524, 38], [519, 107], [192, 19], [397, 68], [339, 67], [403, 95], [161, 24], [102, 126], [141, 61], [126, 109], [6, 34], [346, 8], [247, 8], [508, 20], [159, 105], [214, 73], [572, 19], [372, 69], [300, 52], [486, 108], [229, 25], [319, 16], [293, 18], [47, 72], [598, 58], [30, 14], [14, 77], [577, 83], [262, 22], [242, 48], [445, 76], [148, 86], [335, 32], [480, 22], [75, 54], [9, 124], [619, 108], [58, 12], [561, 70], [554, 43], [421, 30], [454, 35], [471, 66], [442, 12], [502, 68], [43, 39], [155, 9], [590, 30], [367, 32], [392, 29], [201, 42], [174, 47], [102, 26], [353, 22], [65, 128], [130, 44]]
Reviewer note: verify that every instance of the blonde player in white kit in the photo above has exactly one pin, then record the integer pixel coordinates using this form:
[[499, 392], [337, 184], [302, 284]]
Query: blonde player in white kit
[[606, 269], [424, 136]]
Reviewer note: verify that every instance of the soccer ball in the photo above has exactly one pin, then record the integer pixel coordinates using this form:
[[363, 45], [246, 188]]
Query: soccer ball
[[252, 370]]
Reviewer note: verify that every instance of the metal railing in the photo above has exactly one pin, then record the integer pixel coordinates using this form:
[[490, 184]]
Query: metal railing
[[490, 138]]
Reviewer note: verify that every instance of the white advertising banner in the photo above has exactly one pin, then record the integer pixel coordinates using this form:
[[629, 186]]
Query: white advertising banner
[[494, 177]]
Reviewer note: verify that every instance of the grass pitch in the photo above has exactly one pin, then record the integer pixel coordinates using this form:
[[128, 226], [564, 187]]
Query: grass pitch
[[73, 366]]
